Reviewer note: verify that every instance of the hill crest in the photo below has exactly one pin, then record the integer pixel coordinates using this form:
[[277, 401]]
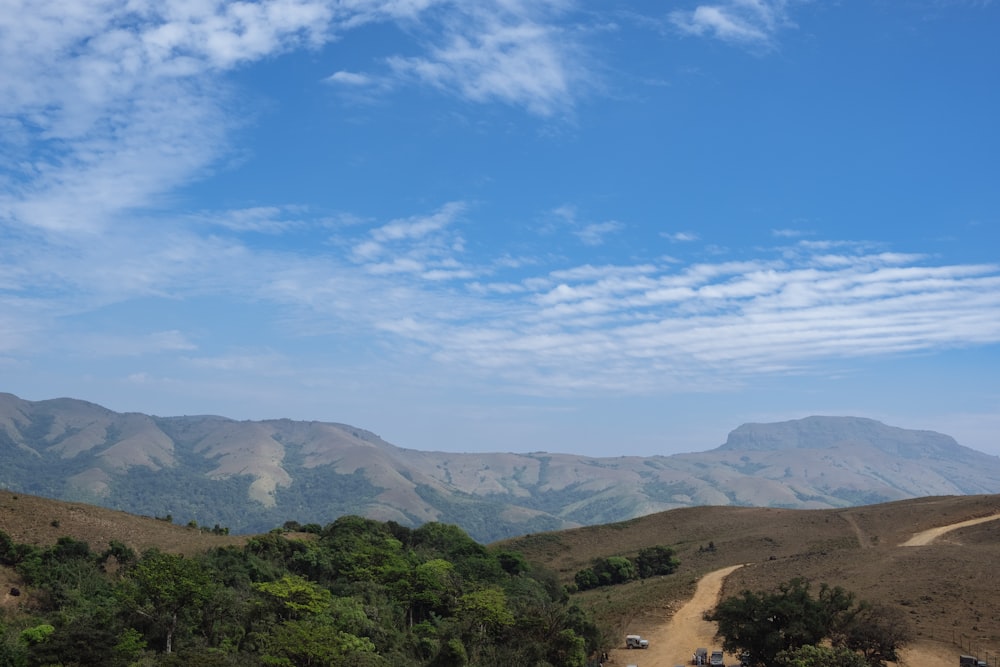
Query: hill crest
[[254, 475]]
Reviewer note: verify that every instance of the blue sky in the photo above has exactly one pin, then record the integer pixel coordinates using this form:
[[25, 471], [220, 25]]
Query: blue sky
[[503, 225]]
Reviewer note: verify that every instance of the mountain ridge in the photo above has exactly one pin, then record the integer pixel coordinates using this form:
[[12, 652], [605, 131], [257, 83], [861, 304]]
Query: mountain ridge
[[816, 433], [252, 476]]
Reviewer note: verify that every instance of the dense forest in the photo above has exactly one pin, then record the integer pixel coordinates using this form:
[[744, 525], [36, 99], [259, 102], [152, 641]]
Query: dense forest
[[356, 593]]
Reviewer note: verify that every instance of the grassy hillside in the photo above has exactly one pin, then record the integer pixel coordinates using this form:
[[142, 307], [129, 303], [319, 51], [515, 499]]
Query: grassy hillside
[[946, 589], [40, 521]]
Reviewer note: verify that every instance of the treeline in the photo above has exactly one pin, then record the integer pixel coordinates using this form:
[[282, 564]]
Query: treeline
[[650, 562], [357, 593]]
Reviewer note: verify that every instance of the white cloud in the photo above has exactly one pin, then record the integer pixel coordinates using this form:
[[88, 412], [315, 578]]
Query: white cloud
[[502, 51], [423, 245], [642, 328], [594, 233], [747, 22], [419, 226], [680, 237], [261, 219], [787, 233], [116, 103], [110, 105], [350, 78]]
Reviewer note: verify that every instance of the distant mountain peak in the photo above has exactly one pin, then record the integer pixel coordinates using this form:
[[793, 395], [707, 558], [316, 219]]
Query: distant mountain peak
[[822, 432]]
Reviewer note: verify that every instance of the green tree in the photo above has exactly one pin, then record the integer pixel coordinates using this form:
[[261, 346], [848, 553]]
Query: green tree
[[162, 589], [819, 656], [12, 652], [878, 631], [656, 560], [359, 549], [615, 570], [67, 573], [486, 610], [79, 641], [568, 649], [586, 579], [312, 642], [765, 624], [432, 588], [316, 628], [36, 634], [452, 654], [124, 556], [296, 597]]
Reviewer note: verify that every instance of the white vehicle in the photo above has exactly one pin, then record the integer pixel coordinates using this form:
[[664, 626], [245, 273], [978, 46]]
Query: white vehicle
[[635, 641]]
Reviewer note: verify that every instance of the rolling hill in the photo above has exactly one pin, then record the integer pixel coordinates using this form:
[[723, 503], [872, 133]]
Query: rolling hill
[[251, 476], [945, 587]]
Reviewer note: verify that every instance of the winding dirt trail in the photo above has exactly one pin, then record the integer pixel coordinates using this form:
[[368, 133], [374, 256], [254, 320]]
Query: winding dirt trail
[[927, 536], [863, 541], [673, 642]]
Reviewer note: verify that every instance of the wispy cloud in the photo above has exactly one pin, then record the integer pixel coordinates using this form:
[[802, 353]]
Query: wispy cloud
[[589, 233], [502, 51], [680, 237], [110, 105], [745, 22], [119, 345], [424, 245], [788, 233], [261, 219], [116, 102], [647, 327], [350, 78], [594, 233], [407, 284]]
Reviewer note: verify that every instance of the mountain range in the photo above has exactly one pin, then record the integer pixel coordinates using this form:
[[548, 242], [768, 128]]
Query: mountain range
[[252, 476]]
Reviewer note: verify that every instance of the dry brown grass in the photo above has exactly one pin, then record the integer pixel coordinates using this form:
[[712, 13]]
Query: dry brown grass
[[947, 589], [41, 521]]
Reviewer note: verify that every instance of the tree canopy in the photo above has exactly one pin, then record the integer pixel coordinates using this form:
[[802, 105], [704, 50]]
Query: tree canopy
[[783, 623], [356, 592]]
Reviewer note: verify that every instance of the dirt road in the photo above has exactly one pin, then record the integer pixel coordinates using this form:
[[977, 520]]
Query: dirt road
[[674, 642], [928, 536]]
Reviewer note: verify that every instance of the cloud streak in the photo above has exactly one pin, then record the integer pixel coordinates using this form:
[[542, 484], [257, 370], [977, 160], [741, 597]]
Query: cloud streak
[[654, 329], [110, 105], [408, 285], [502, 51], [742, 22]]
